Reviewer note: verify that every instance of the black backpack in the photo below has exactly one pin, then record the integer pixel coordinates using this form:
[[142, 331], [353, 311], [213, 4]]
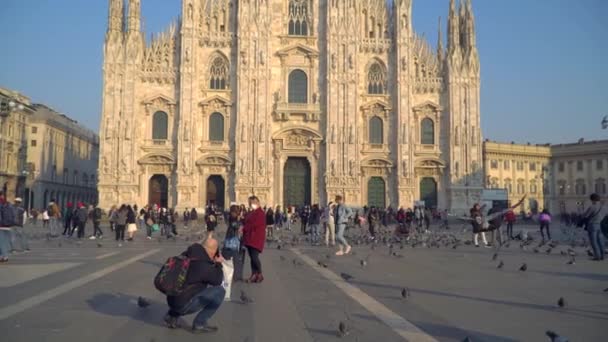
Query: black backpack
[[171, 279], [8, 215]]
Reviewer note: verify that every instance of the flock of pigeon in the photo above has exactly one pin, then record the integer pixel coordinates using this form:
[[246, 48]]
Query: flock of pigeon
[[395, 245]]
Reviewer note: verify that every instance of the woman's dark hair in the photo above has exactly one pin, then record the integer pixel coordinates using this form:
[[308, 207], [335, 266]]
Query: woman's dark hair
[[594, 197]]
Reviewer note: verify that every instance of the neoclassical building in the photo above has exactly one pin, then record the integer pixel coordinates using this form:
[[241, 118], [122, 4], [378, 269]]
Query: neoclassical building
[[292, 100]]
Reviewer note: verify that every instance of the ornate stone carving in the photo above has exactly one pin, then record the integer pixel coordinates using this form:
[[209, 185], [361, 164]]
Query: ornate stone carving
[[105, 167], [332, 167], [352, 168], [261, 166], [295, 139]]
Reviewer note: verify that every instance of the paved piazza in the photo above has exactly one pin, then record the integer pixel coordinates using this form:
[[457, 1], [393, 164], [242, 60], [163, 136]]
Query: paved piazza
[[65, 290]]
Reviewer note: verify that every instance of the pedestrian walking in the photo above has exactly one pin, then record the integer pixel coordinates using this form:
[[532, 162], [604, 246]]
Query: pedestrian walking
[[545, 220], [20, 219], [67, 219], [510, 218], [193, 216], [81, 215], [478, 225], [254, 238], [270, 223], [211, 223], [8, 218], [315, 225], [186, 218], [330, 225], [591, 219], [131, 223], [96, 215], [373, 218], [45, 219], [173, 217], [427, 219], [54, 217], [342, 214], [121, 223], [112, 215]]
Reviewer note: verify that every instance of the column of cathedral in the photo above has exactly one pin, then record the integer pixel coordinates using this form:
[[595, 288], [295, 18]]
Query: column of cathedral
[[462, 67], [186, 190], [342, 147], [405, 122], [111, 103], [254, 102]]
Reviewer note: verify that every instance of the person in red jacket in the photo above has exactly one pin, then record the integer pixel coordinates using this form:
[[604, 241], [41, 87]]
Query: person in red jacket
[[510, 218], [254, 236]]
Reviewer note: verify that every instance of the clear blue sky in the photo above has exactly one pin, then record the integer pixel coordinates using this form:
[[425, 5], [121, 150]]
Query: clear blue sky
[[544, 63]]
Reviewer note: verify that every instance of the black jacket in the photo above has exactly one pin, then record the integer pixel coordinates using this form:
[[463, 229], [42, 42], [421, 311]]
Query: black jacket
[[202, 273]]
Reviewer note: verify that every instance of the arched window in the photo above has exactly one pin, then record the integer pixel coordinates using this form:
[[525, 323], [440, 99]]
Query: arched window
[[218, 73], [299, 21], [376, 79], [298, 87], [533, 187], [216, 127], [521, 187], [160, 126], [376, 131], [427, 132]]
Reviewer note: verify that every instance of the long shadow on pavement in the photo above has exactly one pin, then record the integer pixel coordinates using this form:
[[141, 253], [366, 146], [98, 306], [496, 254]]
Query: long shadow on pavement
[[589, 276], [439, 330], [118, 304]]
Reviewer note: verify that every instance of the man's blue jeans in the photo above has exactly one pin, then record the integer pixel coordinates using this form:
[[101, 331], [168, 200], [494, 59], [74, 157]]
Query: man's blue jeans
[[595, 239], [207, 302], [5, 243]]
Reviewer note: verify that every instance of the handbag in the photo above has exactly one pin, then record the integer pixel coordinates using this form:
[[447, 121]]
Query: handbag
[[155, 227], [232, 243]]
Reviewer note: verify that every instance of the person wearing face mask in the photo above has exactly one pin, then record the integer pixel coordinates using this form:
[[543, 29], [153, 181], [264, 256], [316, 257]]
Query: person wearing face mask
[[254, 236]]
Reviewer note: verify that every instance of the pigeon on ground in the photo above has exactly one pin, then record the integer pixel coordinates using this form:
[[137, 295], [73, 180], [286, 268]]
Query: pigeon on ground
[[561, 302], [500, 264], [555, 337], [523, 267], [279, 247], [322, 264], [142, 302], [346, 276], [548, 251], [363, 263], [99, 245], [342, 330], [572, 261], [405, 293], [589, 253], [494, 257], [245, 298]]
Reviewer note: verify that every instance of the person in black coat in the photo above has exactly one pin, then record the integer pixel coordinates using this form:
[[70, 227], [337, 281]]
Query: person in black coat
[[203, 288]]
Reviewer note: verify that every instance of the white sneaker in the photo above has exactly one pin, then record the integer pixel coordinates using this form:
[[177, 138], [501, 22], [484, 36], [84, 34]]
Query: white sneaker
[[149, 238], [92, 237]]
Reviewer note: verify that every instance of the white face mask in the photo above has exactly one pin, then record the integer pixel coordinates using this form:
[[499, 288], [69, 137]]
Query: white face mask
[[254, 206]]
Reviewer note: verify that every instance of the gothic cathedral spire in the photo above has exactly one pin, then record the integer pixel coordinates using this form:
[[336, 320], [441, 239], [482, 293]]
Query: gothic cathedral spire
[[134, 16], [439, 44], [115, 16], [454, 50]]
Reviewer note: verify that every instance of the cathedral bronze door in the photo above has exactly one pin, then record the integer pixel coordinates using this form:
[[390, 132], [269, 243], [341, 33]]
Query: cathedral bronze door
[[296, 182], [158, 191], [376, 192], [428, 192], [215, 191]]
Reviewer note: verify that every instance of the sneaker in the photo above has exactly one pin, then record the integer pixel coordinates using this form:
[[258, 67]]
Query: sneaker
[[202, 329], [476, 245], [92, 238], [487, 246], [171, 322], [149, 237]]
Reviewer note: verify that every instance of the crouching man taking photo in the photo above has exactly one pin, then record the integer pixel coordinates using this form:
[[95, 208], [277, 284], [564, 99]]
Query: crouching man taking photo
[[203, 292]]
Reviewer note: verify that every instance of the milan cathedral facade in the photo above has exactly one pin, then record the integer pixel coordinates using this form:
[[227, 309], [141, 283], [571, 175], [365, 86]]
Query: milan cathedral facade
[[294, 101]]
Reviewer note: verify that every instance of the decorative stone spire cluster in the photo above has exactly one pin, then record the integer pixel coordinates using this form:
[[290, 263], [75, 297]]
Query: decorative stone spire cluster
[[462, 44]]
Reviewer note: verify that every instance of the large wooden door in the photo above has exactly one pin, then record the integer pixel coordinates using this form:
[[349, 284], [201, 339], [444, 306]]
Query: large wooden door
[[376, 192], [158, 191], [296, 182], [216, 191], [428, 192]]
